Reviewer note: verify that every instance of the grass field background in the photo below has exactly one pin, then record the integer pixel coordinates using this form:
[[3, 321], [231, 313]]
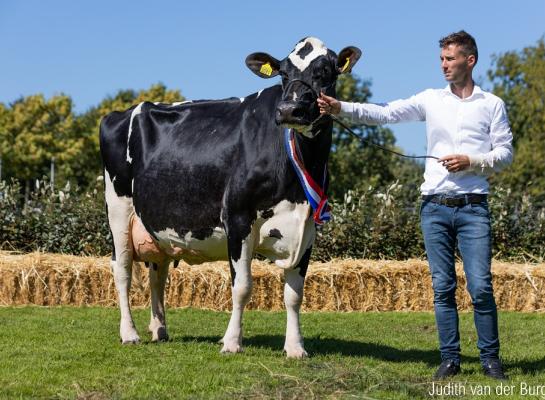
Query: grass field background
[[74, 352]]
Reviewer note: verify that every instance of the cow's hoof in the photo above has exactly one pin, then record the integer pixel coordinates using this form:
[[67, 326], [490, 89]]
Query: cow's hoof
[[160, 335], [295, 352], [135, 340], [231, 348]]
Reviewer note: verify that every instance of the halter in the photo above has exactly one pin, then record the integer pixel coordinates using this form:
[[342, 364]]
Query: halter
[[315, 94]]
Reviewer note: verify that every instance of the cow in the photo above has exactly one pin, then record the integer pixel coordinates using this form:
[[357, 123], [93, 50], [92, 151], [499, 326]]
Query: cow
[[211, 180]]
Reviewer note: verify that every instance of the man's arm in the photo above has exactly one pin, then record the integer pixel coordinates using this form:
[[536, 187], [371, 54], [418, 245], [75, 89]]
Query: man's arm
[[410, 109], [501, 138]]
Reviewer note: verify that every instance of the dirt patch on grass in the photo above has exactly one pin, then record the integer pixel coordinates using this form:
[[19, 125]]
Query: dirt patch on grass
[[340, 285]]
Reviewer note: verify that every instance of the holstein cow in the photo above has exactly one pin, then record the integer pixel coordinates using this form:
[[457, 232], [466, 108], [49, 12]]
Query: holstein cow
[[220, 180]]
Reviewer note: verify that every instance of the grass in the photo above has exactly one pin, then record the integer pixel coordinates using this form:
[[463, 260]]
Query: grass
[[69, 352]]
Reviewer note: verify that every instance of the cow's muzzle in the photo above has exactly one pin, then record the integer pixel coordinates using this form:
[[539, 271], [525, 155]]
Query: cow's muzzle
[[293, 113]]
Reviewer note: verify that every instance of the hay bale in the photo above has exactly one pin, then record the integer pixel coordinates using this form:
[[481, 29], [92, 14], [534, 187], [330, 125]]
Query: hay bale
[[339, 285]]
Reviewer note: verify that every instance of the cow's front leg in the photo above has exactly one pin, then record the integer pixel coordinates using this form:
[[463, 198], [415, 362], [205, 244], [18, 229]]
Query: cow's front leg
[[293, 297], [241, 291], [158, 276]]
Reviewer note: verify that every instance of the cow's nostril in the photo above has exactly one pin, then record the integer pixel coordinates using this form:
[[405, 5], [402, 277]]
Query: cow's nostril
[[298, 113]]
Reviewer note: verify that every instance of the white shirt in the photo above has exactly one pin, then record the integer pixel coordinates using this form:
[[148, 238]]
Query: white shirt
[[476, 126]]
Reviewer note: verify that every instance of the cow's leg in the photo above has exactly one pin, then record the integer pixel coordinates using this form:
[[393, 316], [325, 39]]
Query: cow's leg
[[241, 291], [120, 210], [293, 297], [158, 276]]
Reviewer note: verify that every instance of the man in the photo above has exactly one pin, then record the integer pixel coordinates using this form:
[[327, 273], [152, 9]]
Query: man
[[467, 128]]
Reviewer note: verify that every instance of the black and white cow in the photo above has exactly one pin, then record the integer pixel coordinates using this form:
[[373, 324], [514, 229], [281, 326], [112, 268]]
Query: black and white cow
[[211, 180]]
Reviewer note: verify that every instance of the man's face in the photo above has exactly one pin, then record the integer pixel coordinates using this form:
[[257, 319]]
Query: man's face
[[455, 65]]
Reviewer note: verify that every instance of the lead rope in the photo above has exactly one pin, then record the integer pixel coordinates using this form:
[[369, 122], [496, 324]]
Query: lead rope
[[365, 140]]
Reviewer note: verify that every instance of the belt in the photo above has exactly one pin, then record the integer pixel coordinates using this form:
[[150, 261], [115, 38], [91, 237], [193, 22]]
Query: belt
[[458, 201]]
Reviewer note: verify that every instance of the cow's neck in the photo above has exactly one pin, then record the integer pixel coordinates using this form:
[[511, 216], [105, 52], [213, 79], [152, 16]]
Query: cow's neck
[[315, 152]]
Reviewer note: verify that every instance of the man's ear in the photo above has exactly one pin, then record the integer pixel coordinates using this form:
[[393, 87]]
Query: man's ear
[[348, 57], [263, 65], [471, 60]]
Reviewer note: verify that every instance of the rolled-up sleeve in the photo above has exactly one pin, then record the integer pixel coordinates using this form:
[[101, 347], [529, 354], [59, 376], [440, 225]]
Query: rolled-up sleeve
[[411, 109], [501, 139]]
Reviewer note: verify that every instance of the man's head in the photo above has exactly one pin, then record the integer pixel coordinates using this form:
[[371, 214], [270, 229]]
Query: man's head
[[458, 56]]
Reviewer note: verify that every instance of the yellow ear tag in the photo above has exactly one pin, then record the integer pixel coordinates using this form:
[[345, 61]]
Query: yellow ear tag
[[346, 64], [266, 69]]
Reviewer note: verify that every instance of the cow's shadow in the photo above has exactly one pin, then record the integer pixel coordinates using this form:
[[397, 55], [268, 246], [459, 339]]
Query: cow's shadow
[[325, 346]]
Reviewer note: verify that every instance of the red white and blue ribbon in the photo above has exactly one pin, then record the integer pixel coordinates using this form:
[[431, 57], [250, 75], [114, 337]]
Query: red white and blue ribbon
[[315, 193]]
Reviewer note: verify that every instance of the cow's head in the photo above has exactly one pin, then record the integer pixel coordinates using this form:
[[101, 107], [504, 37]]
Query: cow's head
[[309, 69]]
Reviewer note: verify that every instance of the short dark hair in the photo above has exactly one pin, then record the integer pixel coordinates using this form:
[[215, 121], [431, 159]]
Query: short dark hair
[[464, 40]]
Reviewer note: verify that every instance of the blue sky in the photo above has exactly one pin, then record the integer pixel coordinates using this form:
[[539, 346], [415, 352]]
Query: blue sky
[[92, 49]]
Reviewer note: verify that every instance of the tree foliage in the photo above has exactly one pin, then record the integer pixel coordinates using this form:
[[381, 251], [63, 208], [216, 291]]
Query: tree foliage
[[519, 79], [34, 130]]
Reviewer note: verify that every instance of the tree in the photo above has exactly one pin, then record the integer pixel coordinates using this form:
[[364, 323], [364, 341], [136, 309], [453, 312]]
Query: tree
[[35, 130], [356, 165], [519, 79]]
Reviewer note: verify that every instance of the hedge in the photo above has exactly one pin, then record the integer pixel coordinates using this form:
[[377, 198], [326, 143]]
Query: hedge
[[373, 224]]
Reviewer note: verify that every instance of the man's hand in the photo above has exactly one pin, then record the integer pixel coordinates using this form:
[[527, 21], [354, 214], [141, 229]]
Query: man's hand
[[455, 162], [328, 105]]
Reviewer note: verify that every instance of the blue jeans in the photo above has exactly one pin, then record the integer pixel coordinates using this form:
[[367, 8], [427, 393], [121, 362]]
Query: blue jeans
[[469, 226]]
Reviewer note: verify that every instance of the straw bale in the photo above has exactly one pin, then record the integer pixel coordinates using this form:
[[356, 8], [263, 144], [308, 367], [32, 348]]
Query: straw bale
[[339, 285]]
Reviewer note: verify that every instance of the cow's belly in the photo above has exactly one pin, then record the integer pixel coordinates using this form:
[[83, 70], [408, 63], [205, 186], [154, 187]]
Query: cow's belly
[[282, 238], [286, 236], [170, 245]]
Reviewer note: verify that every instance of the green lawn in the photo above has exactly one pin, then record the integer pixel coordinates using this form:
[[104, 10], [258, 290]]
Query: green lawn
[[68, 352]]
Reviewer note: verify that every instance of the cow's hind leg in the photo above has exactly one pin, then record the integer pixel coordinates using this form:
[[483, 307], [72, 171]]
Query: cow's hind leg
[[158, 276], [293, 297], [120, 209], [241, 290]]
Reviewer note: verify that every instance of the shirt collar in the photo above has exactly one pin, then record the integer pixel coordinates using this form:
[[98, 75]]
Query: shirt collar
[[477, 91]]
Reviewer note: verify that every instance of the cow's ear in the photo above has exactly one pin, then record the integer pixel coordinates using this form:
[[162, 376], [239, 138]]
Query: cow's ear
[[348, 57], [263, 65]]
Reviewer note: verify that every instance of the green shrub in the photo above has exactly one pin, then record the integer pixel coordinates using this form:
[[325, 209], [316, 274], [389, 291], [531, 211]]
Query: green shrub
[[377, 224], [372, 224], [65, 221]]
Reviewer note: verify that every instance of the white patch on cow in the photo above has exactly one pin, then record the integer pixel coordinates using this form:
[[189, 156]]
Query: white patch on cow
[[195, 251], [137, 110], [120, 210], [242, 99], [177, 103], [297, 229], [293, 297], [241, 292], [258, 93], [318, 49]]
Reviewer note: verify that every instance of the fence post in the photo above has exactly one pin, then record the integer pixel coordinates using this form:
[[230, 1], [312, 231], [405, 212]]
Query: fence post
[[53, 173]]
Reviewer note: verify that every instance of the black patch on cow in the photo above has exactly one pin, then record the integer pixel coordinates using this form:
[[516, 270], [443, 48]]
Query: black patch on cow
[[305, 50], [233, 273], [275, 233], [303, 263], [267, 213], [176, 262]]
